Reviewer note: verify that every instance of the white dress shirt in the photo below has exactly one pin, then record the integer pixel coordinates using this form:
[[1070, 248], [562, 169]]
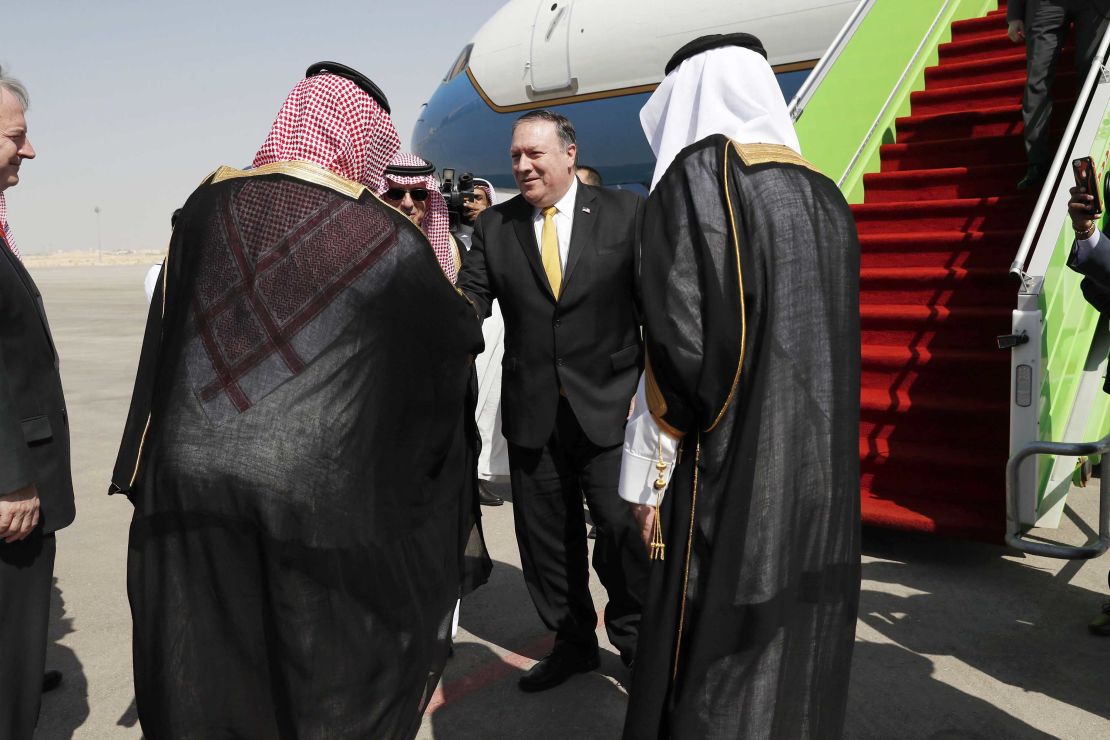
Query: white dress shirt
[[1086, 245], [564, 222], [645, 443]]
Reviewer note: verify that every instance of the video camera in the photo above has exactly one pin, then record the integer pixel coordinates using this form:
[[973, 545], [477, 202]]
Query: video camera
[[456, 193]]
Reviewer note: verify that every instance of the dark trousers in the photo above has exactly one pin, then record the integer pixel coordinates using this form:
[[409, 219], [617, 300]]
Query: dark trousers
[[1046, 27], [548, 485], [26, 572]]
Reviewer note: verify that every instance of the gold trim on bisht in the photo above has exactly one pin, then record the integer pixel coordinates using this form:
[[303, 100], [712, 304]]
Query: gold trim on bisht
[[740, 279], [754, 154], [657, 404], [686, 565], [300, 170]]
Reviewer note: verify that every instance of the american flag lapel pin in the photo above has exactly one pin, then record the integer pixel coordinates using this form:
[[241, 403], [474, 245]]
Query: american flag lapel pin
[[585, 209]]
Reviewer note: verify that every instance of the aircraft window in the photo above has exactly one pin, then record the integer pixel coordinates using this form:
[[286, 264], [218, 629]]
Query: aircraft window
[[460, 63], [791, 82]]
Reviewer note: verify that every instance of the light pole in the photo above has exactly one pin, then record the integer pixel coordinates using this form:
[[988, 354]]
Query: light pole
[[96, 210]]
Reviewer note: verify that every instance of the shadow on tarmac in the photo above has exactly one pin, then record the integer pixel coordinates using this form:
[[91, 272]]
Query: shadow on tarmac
[[589, 705], [1016, 623], [480, 696], [67, 707]]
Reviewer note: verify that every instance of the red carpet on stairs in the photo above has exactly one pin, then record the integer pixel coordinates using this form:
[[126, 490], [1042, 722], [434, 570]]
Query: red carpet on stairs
[[938, 227]]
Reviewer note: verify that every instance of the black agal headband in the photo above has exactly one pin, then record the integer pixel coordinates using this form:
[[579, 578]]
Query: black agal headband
[[715, 41], [411, 170], [341, 70]]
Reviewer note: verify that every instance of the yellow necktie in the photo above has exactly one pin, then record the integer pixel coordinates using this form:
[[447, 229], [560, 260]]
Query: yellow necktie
[[549, 250]]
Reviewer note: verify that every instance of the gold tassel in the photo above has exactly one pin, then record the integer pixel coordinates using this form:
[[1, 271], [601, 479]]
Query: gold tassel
[[658, 546]]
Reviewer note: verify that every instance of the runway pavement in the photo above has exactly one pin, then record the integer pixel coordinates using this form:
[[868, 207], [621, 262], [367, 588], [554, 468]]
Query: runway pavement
[[955, 639]]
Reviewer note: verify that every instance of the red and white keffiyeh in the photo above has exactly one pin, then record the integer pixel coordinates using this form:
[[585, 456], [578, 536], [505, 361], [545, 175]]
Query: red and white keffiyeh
[[330, 121], [436, 224], [7, 229], [487, 188]]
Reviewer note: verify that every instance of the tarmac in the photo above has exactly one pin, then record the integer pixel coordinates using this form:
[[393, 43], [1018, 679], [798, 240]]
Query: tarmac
[[955, 639]]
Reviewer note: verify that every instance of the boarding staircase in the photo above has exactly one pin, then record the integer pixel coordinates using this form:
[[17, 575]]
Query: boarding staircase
[[934, 195]]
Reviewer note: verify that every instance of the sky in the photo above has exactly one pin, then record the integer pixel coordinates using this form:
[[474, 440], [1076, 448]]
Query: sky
[[134, 102]]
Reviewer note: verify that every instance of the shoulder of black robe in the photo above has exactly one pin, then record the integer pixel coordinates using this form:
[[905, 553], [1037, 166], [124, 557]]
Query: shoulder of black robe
[[304, 381], [172, 296], [749, 272]]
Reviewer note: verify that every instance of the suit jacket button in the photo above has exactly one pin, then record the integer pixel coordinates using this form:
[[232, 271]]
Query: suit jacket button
[[558, 322], [559, 362]]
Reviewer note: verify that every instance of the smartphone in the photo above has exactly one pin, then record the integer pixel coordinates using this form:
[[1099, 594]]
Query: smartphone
[[1087, 178]]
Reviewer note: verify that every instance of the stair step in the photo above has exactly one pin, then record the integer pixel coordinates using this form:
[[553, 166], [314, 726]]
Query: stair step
[[934, 327], [895, 429], [954, 240], [991, 22], [902, 401], [899, 315], [880, 356], [987, 254], [950, 372], [961, 152], [953, 516], [933, 286], [984, 95], [937, 215], [1004, 120], [876, 454], [976, 71], [987, 34], [975, 48], [942, 183]]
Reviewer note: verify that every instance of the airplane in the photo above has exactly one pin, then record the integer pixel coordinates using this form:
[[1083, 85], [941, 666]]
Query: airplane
[[597, 62]]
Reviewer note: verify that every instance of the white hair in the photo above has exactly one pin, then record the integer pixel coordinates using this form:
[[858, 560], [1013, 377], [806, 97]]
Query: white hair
[[16, 88]]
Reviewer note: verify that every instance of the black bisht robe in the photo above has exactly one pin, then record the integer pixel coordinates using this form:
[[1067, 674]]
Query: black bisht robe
[[300, 452], [750, 265]]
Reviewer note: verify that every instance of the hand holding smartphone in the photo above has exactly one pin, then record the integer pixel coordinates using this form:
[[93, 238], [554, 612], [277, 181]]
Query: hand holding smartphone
[[1086, 178]]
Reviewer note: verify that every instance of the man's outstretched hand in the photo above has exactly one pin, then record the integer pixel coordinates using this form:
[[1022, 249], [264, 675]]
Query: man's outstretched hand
[[19, 513]]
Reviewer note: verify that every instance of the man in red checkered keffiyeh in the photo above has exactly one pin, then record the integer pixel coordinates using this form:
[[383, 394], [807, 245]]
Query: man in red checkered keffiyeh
[[428, 212], [329, 121], [300, 446]]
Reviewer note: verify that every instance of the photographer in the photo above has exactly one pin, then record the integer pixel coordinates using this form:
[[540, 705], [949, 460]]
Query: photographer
[[482, 199], [464, 203], [1090, 257], [493, 462]]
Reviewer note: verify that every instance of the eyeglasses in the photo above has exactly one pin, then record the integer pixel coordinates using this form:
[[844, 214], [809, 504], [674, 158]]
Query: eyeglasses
[[418, 194]]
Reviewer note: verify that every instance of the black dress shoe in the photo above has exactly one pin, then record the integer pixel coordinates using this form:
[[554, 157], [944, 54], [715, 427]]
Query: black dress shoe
[[1033, 178], [557, 667], [51, 680], [1101, 624], [486, 497]]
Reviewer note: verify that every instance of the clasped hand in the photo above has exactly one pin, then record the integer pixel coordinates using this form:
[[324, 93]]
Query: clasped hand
[[19, 513]]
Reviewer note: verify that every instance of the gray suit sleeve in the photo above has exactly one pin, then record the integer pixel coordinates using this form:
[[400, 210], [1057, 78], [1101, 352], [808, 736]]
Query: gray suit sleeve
[[1092, 262], [16, 468]]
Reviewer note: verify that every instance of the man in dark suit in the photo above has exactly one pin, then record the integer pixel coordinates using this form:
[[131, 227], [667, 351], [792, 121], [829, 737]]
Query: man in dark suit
[[1090, 257], [36, 491], [560, 259], [1042, 26]]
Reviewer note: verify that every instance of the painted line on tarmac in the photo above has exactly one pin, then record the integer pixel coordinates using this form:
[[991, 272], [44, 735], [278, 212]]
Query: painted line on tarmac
[[488, 673]]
